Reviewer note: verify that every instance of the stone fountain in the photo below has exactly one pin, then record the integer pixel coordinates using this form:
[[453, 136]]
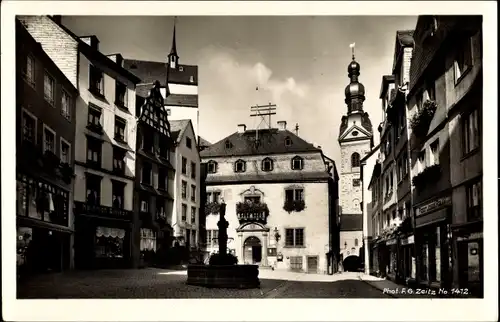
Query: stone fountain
[[223, 270]]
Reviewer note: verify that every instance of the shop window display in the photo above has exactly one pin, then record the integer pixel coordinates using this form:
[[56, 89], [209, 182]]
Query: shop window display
[[148, 239], [41, 201], [109, 242]]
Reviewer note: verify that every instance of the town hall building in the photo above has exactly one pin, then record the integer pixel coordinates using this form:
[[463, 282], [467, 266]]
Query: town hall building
[[279, 202]]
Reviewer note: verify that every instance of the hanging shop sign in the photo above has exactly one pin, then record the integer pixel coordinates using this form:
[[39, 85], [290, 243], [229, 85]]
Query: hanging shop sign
[[434, 205], [408, 241], [476, 235], [391, 242]]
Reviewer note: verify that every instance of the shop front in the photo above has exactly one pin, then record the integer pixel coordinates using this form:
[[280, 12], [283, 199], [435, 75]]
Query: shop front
[[432, 233], [43, 233], [392, 252], [103, 237], [468, 243], [408, 260]]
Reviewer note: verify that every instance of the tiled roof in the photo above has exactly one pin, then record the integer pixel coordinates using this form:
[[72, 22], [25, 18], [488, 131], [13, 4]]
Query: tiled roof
[[430, 41], [97, 55], [268, 177], [203, 142], [271, 141], [23, 35], [350, 222], [404, 38], [372, 151], [177, 129], [150, 71]]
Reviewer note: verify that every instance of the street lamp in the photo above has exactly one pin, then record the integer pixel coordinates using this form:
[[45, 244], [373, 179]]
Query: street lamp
[[277, 235]]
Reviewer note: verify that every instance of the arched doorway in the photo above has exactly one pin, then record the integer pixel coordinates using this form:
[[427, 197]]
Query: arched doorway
[[352, 263], [253, 250]]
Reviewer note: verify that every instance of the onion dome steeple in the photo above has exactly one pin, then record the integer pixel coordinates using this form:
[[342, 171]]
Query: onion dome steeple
[[355, 91]]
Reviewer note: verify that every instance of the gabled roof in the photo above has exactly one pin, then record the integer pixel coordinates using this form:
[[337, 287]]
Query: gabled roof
[[355, 127], [386, 80], [21, 31], [92, 53], [203, 142], [377, 170], [372, 151], [404, 38], [178, 128], [350, 222], [271, 141], [150, 71]]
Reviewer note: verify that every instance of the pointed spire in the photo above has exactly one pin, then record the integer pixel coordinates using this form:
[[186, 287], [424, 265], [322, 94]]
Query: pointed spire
[[173, 50]]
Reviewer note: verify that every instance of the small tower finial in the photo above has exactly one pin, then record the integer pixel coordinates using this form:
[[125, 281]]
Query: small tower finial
[[173, 57], [352, 47]]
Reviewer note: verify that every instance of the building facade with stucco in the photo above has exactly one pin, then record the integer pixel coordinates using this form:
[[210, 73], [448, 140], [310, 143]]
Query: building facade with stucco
[[277, 188]]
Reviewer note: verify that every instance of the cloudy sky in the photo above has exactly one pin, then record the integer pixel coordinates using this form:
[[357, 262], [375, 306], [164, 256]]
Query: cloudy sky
[[299, 63]]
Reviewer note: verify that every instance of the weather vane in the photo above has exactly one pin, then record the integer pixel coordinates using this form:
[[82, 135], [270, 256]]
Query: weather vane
[[352, 47]]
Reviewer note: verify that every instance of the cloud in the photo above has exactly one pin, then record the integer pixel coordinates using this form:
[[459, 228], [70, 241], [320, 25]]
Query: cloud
[[245, 77]]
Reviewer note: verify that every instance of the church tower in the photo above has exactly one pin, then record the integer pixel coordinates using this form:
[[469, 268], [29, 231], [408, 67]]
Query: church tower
[[356, 140]]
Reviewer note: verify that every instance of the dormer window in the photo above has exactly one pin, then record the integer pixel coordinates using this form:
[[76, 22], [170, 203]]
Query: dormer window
[[297, 163], [288, 141], [240, 166], [181, 69], [267, 164], [212, 167], [228, 145]]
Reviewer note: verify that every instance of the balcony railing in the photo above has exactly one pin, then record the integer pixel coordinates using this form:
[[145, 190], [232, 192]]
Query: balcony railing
[[83, 208], [252, 212]]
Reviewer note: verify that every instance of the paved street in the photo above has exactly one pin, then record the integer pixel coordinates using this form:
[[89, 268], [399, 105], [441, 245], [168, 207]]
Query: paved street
[[159, 283]]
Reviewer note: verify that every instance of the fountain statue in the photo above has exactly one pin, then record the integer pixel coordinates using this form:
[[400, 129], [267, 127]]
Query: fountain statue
[[223, 270]]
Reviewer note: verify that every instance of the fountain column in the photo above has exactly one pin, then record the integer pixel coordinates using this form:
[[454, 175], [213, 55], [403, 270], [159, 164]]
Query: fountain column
[[222, 224]]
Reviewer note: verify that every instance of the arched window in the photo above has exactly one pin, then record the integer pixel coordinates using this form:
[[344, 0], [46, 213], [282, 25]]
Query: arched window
[[356, 242], [267, 164], [240, 166], [297, 163], [355, 160], [211, 166]]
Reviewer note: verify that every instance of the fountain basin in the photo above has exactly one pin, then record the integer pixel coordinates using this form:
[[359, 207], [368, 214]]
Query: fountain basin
[[224, 276]]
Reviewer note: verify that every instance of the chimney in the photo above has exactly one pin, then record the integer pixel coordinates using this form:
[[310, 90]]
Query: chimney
[[92, 41], [117, 58], [297, 129], [242, 128], [282, 125]]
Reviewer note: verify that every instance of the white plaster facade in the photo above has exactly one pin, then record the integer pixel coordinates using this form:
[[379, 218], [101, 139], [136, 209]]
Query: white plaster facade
[[314, 219], [179, 225]]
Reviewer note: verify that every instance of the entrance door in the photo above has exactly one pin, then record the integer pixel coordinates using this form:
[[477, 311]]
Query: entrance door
[[253, 250], [312, 264], [470, 256], [257, 254]]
